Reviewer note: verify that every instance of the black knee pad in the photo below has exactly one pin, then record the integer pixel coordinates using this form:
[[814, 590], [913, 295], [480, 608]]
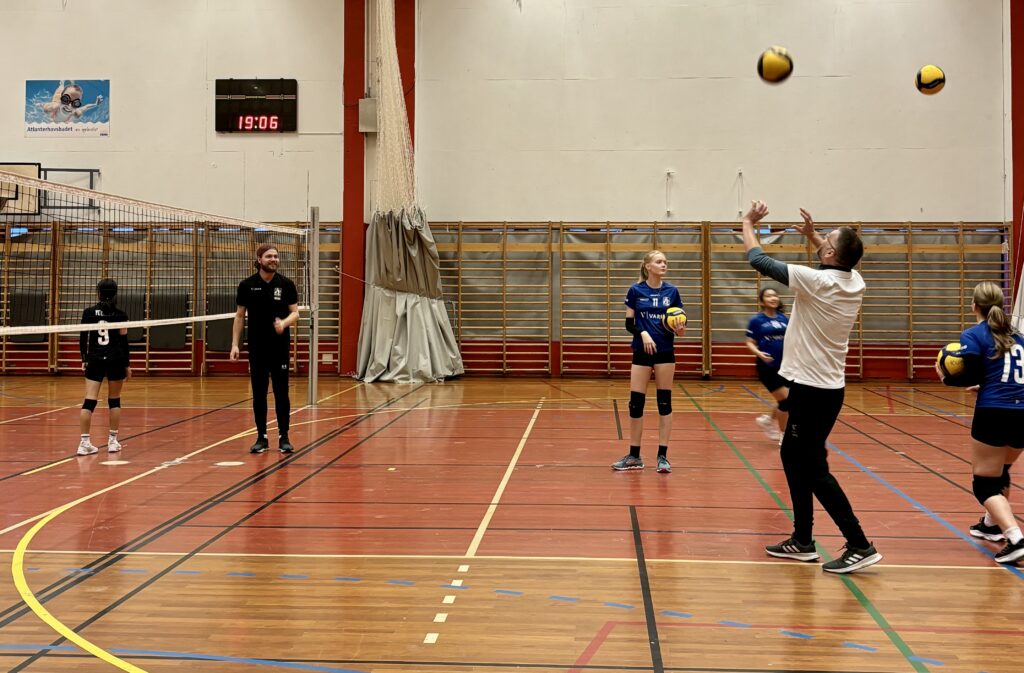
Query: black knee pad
[[636, 404], [89, 405], [784, 405], [114, 402], [664, 398], [987, 487], [1005, 477]]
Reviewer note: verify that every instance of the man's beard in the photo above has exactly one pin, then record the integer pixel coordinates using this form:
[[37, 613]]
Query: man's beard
[[267, 269]]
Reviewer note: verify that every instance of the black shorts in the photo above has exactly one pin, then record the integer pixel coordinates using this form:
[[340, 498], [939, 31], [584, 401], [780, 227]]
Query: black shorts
[[770, 379], [999, 427], [659, 358], [97, 369], [269, 359]]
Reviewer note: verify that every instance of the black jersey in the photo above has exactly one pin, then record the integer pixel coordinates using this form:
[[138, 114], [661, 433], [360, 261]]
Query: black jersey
[[104, 344], [264, 301]]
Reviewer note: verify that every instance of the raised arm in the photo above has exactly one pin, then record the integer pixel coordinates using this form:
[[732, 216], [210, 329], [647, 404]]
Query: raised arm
[[807, 229], [755, 255]]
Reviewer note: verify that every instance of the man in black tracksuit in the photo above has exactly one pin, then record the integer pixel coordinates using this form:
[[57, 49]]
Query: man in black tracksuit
[[272, 303]]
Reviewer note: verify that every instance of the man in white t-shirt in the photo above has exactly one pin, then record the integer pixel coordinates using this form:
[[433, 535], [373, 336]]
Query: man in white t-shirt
[[827, 300]]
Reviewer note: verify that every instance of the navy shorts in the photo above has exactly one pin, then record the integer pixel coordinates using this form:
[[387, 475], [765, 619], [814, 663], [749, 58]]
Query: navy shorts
[[770, 378], [659, 358], [999, 427]]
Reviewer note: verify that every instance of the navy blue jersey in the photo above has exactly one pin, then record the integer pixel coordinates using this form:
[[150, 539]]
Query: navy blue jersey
[[1003, 385], [649, 305], [769, 333]]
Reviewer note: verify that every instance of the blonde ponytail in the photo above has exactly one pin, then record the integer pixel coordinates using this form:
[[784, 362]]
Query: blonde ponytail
[[988, 298]]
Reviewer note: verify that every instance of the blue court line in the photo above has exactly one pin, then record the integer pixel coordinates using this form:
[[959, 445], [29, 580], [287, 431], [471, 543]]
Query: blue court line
[[670, 613], [766, 401], [924, 510], [620, 605], [238, 574], [568, 599], [348, 579], [133, 570], [913, 403], [32, 570], [508, 592], [294, 577], [404, 583], [187, 572], [794, 634], [452, 586], [933, 662], [856, 646], [738, 625], [79, 570], [295, 666]]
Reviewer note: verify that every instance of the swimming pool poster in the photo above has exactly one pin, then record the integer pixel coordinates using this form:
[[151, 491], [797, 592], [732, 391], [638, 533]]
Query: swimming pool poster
[[67, 107]]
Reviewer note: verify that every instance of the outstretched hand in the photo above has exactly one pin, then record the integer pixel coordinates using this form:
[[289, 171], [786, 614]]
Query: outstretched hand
[[807, 228], [758, 209]]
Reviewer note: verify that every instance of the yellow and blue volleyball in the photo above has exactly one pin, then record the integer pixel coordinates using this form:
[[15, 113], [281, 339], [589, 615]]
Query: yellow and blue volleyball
[[674, 319], [774, 65], [930, 80], [958, 368]]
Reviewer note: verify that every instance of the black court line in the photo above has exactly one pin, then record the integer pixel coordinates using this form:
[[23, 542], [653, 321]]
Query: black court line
[[113, 557], [128, 438], [618, 423], [939, 397], [949, 453], [645, 588], [187, 557], [929, 412]]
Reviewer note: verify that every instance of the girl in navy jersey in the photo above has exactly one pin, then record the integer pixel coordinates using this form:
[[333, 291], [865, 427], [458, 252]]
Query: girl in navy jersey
[[997, 432], [646, 304], [765, 335]]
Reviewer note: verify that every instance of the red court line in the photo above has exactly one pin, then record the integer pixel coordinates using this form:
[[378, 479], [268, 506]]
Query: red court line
[[605, 631]]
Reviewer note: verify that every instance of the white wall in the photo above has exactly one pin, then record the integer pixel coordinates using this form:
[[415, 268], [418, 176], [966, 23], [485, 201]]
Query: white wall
[[162, 57], [573, 109]]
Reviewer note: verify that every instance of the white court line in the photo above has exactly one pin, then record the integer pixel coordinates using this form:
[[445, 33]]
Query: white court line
[[493, 507], [440, 617], [448, 600], [430, 639], [41, 413]]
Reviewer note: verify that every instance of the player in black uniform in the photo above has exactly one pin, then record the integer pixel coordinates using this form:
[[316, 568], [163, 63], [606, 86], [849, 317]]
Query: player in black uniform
[[104, 356], [272, 303]]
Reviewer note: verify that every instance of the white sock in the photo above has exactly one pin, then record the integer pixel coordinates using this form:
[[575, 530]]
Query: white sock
[[85, 439], [113, 433], [1013, 535], [988, 520]]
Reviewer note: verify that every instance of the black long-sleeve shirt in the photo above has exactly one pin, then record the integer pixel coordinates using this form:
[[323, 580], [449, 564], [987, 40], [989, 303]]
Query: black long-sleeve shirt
[[106, 344]]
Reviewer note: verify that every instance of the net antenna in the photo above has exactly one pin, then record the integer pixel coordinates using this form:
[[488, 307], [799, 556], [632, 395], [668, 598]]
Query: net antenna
[[405, 334], [177, 270]]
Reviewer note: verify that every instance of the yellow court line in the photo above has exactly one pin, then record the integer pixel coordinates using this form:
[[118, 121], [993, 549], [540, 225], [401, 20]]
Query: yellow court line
[[449, 557], [46, 467], [482, 528], [41, 413], [18, 560]]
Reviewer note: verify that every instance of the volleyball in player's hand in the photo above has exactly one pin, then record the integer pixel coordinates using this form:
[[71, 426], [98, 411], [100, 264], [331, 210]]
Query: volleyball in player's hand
[[674, 319], [930, 80], [957, 368], [775, 65]]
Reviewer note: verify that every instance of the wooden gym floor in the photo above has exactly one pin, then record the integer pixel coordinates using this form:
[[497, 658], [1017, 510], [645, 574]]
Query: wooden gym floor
[[476, 526]]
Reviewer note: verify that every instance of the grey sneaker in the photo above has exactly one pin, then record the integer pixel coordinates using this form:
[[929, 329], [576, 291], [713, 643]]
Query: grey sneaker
[[790, 548], [628, 462], [853, 559], [663, 465]]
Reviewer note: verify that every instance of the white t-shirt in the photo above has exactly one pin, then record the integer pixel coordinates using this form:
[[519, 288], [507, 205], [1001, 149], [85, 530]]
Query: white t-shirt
[[825, 308]]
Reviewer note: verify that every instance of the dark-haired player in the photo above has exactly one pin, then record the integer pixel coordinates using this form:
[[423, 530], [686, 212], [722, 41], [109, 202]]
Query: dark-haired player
[[104, 356]]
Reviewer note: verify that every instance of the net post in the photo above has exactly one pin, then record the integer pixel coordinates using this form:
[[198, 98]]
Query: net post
[[313, 290]]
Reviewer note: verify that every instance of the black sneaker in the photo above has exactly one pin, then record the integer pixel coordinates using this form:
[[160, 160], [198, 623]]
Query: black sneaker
[[991, 533], [260, 446], [1010, 553], [790, 548], [853, 559], [285, 446]]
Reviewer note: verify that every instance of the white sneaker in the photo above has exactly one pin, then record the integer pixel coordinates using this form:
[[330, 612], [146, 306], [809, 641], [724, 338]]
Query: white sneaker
[[113, 446], [767, 425], [86, 449]]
